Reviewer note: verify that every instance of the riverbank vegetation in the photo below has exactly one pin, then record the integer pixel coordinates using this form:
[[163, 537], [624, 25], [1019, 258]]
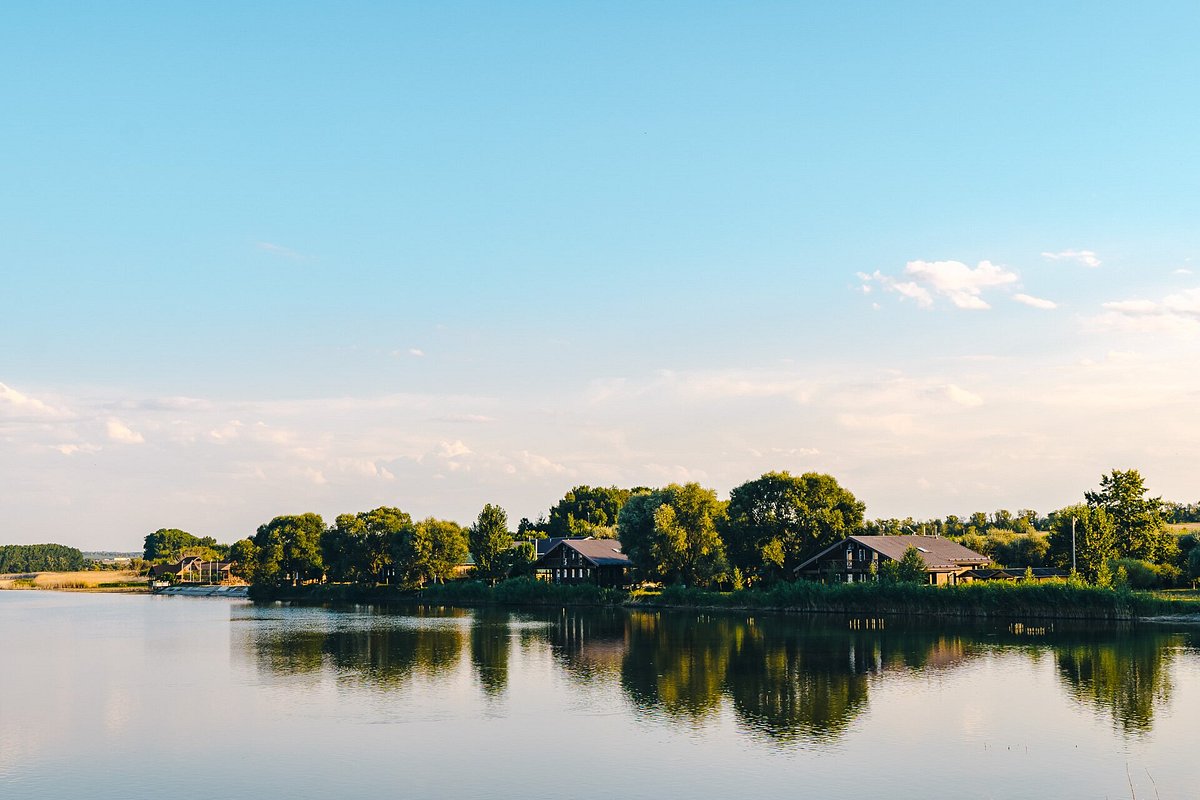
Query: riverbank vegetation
[[742, 551], [40, 558]]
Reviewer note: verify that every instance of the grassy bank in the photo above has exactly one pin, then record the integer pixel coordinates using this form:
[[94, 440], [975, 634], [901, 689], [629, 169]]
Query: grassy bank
[[514, 592], [1033, 600], [82, 580]]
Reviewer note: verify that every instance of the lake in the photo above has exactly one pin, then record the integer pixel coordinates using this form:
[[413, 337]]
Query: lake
[[127, 696]]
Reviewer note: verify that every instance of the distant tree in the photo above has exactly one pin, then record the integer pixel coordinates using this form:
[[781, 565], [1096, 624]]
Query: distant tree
[[244, 555], [40, 558], [1095, 541], [773, 522], [358, 548], [912, 567], [1194, 564], [671, 534], [1138, 520], [586, 508], [289, 549], [431, 551], [172, 544], [491, 543]]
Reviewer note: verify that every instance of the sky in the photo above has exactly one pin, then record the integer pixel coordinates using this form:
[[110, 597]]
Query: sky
[[268, 258]]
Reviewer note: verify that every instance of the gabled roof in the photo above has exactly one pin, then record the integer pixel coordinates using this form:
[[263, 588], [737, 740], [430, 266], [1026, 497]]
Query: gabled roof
[[598, 552], [939, 554]]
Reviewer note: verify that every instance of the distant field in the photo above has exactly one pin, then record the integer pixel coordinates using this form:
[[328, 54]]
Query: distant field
[[1185, 527], [101, 581]]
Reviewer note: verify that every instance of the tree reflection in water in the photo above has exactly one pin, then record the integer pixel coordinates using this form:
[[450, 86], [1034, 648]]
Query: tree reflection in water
[[784, 677], [1126, 676]]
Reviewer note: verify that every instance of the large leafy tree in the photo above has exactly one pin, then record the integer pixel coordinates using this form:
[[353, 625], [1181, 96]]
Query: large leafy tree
[[359, 546], [586, 510], [430, 551], [1095, 540], [171, 544], [1138, 520], [491, 543], [289, 549], [672, 534], [776, 520], [244, 555]]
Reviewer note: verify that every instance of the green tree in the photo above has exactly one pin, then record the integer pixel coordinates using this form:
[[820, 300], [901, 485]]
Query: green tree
[[358, 548], [244, 555], [430, 551], [1138, 520], [289, 549], [671, 534], [491, 543], [587, 510], [171, 544], [1095, 540], [775, 521], [912, 567]]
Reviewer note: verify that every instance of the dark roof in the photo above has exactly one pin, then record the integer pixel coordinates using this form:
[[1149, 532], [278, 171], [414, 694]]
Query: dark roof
[[600, 552], [939, 554]]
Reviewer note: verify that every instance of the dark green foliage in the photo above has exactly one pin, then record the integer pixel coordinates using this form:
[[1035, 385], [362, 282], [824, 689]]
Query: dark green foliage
[[359, 546], [40, 558], [289, 550], [244, 555], [1139, 574], [911, 567], [586, 508], [1095, 541], [1138, 520], [671, 534], [430, 551], [491, 543], [520, 591], [172, 544], [774, 522], [1045, 599]]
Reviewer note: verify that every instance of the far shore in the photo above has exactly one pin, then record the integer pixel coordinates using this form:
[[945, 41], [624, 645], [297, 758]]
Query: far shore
[[122, 581]]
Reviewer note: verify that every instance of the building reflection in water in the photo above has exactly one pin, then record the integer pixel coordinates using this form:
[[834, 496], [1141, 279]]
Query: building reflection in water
[[785, 678]]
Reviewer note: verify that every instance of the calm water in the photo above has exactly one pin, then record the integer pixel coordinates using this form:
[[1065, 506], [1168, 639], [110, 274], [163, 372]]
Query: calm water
[[108, 696]]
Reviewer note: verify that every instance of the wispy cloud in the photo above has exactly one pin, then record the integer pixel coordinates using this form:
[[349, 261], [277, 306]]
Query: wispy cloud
[[120, 432], [962, 285], [19, 403], [281, 251], [1176, 313], [1087, 258], [1035, 302]]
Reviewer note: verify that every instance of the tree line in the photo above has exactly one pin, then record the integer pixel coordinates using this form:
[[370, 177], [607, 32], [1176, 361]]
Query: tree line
[[40, 558], [684, 534]]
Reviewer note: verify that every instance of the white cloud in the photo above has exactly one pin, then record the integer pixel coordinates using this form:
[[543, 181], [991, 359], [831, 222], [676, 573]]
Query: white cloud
[[15, 401], [72, 449], [1035, 302], [416, 352], [962, 397], [1177, 313], [1085, 257], [1182, 271], [120, 432], [454, 449], [961, 285]]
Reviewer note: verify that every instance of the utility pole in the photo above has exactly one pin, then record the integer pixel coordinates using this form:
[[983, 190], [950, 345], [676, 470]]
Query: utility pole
[[1072, 545]]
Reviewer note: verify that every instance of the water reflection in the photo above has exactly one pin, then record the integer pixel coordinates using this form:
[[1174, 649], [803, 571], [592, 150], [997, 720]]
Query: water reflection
[[1127, 677], [784, 678]]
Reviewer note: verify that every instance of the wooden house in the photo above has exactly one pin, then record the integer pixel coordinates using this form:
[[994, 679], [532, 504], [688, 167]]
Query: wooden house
[[598, 561], [193, 569], [858, 558]]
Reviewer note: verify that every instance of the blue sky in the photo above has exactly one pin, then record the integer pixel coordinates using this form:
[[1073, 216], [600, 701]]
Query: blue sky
[[266, 258]]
